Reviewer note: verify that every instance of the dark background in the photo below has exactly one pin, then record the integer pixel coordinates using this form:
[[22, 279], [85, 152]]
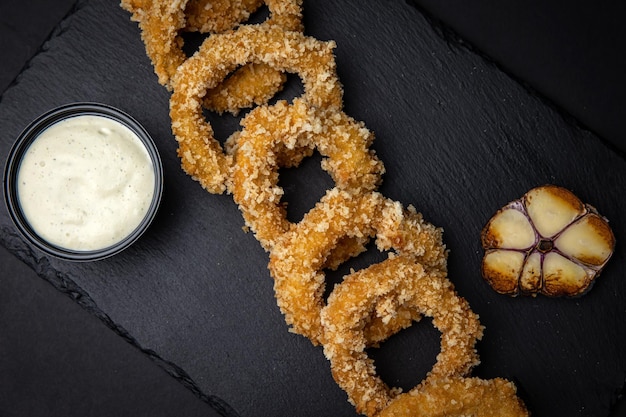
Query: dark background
[[58, 360]]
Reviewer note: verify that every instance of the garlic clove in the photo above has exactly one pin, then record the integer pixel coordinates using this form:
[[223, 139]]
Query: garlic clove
[[530, 281], [509, 228], [590, 240], [501, 268], [564, 277], [551, 208]]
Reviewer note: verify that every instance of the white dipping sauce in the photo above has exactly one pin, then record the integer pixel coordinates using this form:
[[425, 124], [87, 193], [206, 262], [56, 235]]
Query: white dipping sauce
[[85, 183]]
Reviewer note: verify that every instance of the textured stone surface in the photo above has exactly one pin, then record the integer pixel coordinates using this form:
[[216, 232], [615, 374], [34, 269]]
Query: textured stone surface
[[459, 139]]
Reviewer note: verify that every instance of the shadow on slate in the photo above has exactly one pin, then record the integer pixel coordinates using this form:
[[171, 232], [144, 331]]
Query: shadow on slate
[[568, 50], [459, 139], [55, 362]]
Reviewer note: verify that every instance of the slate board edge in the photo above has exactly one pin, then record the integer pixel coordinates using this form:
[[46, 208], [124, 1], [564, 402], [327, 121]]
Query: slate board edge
[[68, 287], [65, 285], [40, 265], [55, 32], [454, 39]]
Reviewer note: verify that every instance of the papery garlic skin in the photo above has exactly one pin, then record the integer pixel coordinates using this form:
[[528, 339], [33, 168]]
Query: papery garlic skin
[[548, 242]]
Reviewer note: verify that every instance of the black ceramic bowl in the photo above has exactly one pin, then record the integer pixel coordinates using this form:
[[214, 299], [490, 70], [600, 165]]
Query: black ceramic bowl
[[31, 133]]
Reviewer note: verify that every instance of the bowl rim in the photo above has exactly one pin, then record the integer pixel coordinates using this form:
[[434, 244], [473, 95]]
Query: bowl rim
[[30, 134]]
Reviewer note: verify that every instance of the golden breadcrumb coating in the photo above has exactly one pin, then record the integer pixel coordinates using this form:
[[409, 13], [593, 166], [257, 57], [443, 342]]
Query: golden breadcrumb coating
[[216, 16], [458, 397], [240, 90]]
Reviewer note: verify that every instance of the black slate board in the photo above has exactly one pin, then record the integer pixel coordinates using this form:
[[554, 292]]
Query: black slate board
[[459, 139]]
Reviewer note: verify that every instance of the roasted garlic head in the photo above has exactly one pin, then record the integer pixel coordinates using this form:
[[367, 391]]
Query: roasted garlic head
[[547, 242]]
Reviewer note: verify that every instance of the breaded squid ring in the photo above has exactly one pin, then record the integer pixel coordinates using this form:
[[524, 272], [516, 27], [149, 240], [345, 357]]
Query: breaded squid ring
[[271, 132], [252, 84], [202, 156], [256, 83], [364, 293], [458, 397], [162, 21], [217, 16], [298, 258]]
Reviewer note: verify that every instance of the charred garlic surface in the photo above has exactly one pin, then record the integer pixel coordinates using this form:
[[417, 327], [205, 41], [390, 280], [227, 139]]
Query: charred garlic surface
[[547, 242]]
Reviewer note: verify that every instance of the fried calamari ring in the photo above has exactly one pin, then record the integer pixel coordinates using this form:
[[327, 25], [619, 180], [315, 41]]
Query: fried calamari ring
[[406, 231], [162, 21], [382, 289], [298, 258], [272, 135], [256, 83], [217, 16], [243, 89], [136, 8], [202, 156], [458, 397], [204, 16]]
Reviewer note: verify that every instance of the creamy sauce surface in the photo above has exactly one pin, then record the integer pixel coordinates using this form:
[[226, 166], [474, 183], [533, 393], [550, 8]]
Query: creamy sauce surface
[[85, 183]]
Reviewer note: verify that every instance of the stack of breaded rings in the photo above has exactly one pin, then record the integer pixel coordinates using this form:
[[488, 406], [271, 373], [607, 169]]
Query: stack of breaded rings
[[242, 66]]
